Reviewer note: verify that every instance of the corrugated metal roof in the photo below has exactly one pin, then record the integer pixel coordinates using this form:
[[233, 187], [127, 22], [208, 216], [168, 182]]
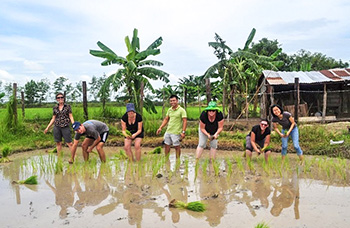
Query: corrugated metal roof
[[284, 78]]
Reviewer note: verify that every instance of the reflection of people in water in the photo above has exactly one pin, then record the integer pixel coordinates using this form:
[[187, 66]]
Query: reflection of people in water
[[211, 193], [177, 189], [64, 192], [136, 195], [96, 190], [289, 193]]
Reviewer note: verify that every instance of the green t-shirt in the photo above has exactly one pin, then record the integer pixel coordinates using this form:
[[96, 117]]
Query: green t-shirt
[[175, 120]]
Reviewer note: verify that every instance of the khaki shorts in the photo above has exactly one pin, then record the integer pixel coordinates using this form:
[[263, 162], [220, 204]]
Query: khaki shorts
[[172, 139]]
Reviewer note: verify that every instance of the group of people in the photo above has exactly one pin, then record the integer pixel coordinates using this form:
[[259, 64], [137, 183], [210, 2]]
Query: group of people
[[211, 123]]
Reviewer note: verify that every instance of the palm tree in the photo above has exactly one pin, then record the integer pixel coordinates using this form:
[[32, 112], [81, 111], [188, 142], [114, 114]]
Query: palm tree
[[136, 70]]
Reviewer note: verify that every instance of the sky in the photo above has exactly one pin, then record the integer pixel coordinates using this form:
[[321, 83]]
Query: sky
[[48, 39]]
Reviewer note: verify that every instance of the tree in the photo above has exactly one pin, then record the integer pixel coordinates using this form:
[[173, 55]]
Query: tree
[[59, 84], [135, 70], [43, 87], [31, 91]]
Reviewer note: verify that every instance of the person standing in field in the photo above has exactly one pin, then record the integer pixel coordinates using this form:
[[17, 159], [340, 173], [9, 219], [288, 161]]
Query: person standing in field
[[96, 133], [211, 123], [176, 118], [259, 136], [289, 127], [61, 118], [132, 122]]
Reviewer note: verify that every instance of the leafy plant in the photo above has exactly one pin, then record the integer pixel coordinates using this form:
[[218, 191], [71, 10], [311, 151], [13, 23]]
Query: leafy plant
[[32, 180], [157, 150], [5, 153], [261, 225], [192, 206]]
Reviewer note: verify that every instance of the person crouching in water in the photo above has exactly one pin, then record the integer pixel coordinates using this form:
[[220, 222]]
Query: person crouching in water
[[210, 125], [96, 133], [289, 127], [259, 136]]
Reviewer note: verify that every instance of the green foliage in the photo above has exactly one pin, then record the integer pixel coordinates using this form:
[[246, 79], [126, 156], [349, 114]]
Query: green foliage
[[32, 180], [6, 151], [157, 150], [261, 225], [192, 206], [128, 133], [10, 120]]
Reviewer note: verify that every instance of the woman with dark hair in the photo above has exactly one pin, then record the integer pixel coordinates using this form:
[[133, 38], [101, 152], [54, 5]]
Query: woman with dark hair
[[62, 116], [289, 127], [132, 122]]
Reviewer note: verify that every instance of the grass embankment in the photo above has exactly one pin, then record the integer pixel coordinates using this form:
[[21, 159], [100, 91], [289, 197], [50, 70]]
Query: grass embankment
[[314, 139]]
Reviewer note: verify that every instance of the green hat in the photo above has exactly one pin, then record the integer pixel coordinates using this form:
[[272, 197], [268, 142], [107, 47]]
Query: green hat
[[212, 106]]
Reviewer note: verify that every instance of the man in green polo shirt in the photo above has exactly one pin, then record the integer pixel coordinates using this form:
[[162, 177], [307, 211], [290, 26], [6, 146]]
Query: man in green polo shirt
[[176, 118]]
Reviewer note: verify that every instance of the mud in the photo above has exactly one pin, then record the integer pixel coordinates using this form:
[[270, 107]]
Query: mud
[[120, 194]]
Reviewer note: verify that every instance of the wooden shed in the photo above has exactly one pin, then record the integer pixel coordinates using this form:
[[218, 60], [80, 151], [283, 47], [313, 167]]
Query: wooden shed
[[315, 93]]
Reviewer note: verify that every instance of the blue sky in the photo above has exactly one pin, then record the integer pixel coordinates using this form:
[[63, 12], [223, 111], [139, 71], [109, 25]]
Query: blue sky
[[48, 39]]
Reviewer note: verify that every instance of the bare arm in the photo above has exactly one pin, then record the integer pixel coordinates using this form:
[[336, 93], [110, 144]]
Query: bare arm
[[220, 128], [94, 144], [71, 118], [291, 119], [139, 130], [202, 127], [165, 122], [50, 124], [184, 126], [252, 141], [267, 140], [124, 129], [275, 128]]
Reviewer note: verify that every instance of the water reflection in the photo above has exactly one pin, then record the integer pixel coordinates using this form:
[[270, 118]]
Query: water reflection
[[285, 195], [130, 193]]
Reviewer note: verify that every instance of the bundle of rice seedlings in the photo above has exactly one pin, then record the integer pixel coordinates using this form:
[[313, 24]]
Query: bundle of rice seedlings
[[157, 150], [54, 150], [30, 180], [5, 153], [192, 206], [121, 155], [261, 225], [128, 133], [266, 148]]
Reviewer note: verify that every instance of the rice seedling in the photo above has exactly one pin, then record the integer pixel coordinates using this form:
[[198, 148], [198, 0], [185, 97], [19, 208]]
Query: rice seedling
[[5, 153], [192, 206], [216, 166], [205, 166], [266, 148], [261, 225], [54, 150], [186, 162], [157, 150], [32, 180], [121, 155], [196, 167], [239, 163], [229, 167]]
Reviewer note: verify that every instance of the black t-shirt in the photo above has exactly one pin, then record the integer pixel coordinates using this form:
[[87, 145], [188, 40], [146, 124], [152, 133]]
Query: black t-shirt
[[211, 127], [257, 131], [133, 127]]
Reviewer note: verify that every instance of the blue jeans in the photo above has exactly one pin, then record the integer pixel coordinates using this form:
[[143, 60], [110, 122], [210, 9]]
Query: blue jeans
[[295, 137]]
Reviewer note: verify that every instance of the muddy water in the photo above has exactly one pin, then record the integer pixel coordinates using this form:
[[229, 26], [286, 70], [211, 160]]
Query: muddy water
[[119, 194]]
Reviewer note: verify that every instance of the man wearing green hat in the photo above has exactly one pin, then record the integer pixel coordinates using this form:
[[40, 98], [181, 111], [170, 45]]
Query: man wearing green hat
[[210, 125]]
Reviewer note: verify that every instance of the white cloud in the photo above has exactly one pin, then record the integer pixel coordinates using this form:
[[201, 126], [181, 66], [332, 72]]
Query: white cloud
[[6, 76]]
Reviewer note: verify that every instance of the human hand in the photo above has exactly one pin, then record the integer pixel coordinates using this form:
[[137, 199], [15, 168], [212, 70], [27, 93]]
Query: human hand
[[182, 135], [45, 131], [158, 131]]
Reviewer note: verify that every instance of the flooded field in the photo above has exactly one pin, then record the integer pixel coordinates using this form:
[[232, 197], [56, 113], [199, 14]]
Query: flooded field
[[123, 194]]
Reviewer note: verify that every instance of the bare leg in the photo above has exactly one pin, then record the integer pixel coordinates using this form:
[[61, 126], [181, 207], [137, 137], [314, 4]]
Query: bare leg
[[248, 154], [138, 148], [267, 154], [70, 145], [178, 151], [199, 152], [59, 148], [85, 145], [167, 150], [100, 151], [212, 154], [127, 148]]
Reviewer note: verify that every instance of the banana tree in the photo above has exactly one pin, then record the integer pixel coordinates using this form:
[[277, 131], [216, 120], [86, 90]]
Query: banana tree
[[136, 70]]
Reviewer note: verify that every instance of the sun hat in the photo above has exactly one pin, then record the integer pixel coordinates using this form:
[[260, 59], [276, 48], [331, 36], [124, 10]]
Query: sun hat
[[76, 125], [130, 107], [212, 106]]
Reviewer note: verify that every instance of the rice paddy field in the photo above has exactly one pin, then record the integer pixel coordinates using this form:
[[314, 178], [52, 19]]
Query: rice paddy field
[[119, 193]]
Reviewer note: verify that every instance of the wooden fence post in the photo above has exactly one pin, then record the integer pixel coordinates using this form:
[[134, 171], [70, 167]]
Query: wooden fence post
[[22, 100], [86, 116], [324, 103], [15, 103], [297, 99]]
